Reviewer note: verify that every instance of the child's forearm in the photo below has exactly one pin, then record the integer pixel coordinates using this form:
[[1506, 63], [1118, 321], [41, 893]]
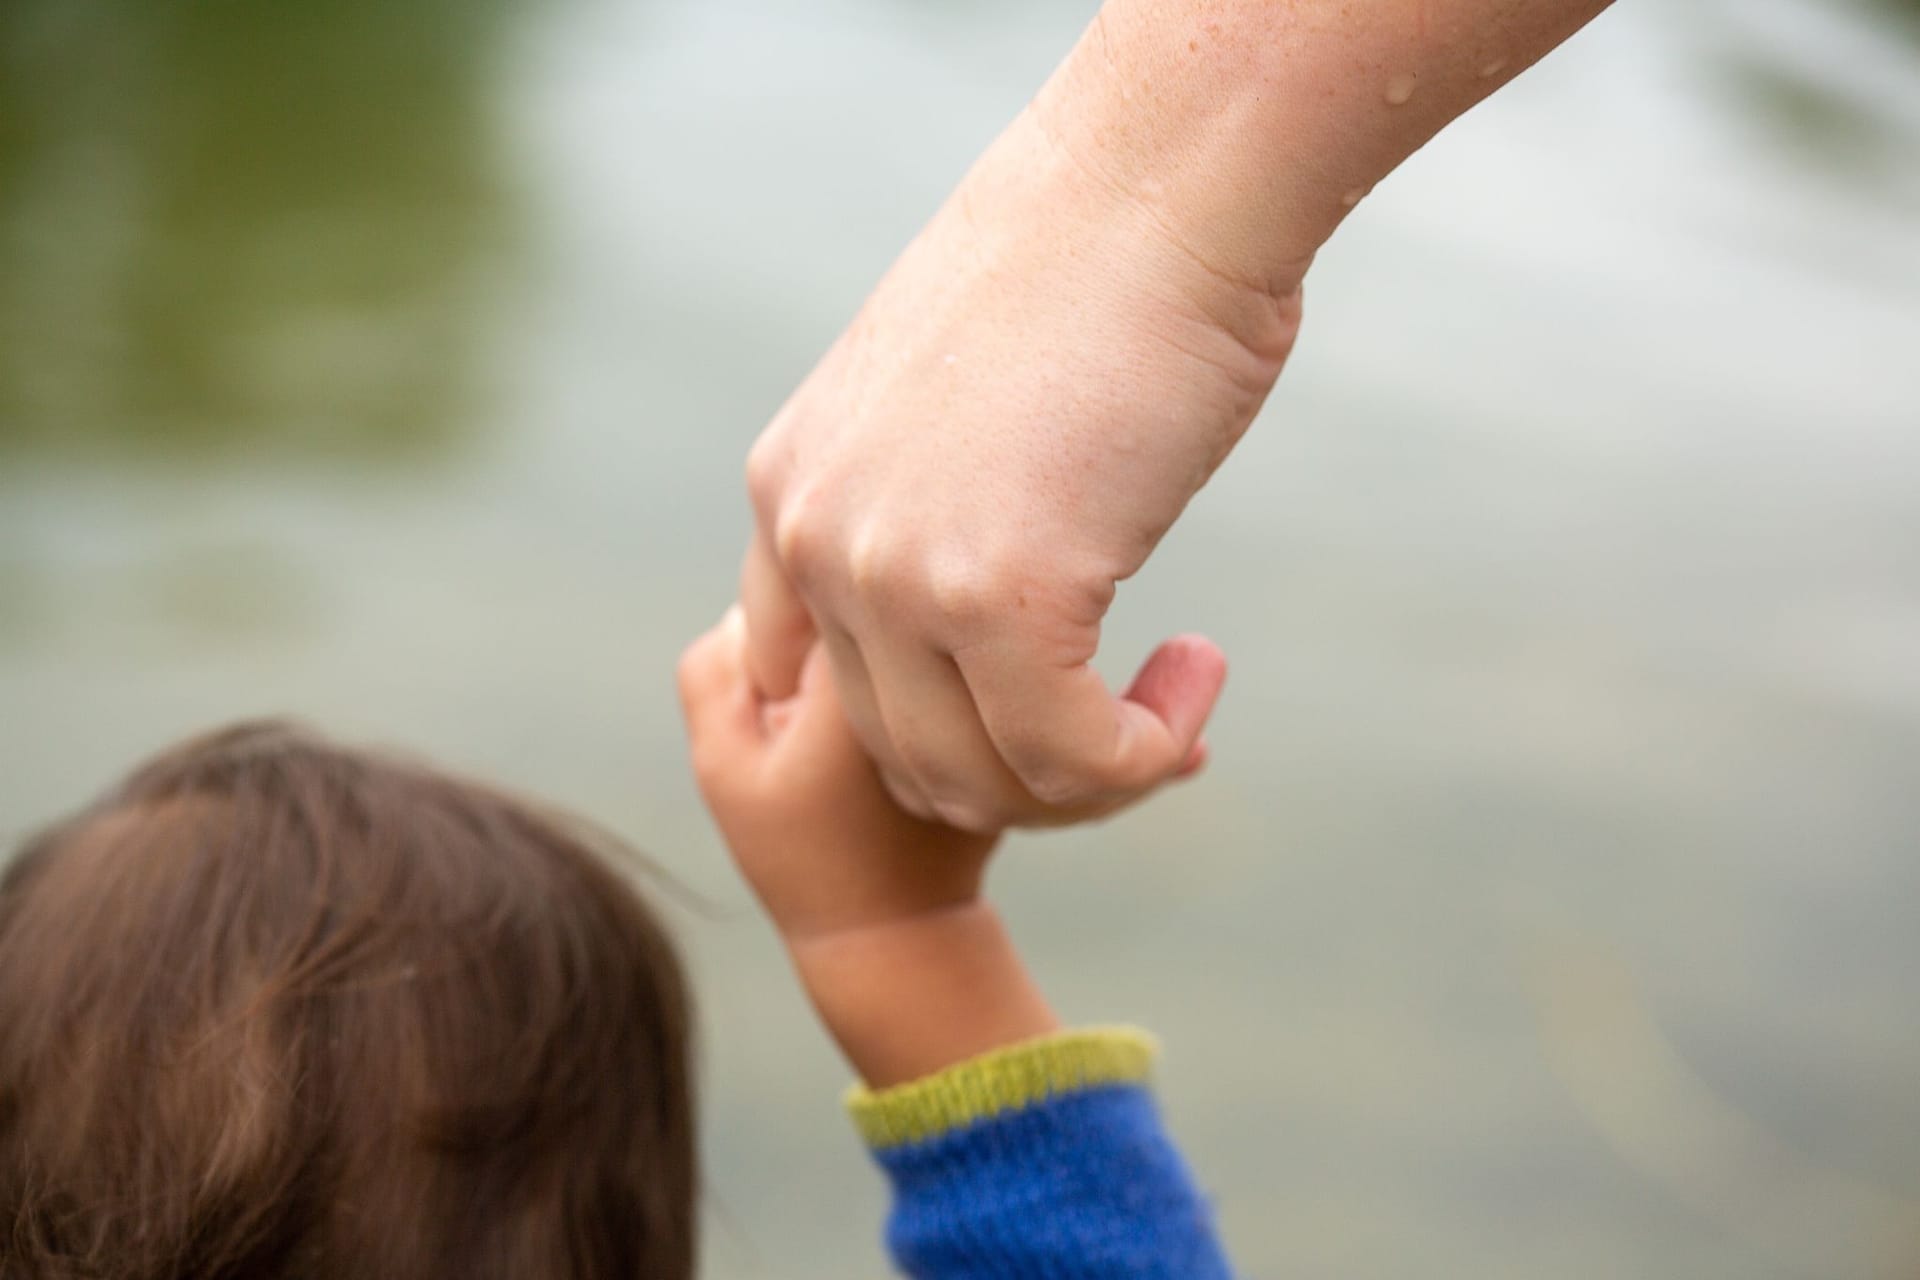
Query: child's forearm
[[908, 999]]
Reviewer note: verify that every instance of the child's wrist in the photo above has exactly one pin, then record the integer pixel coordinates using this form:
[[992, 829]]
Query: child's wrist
[[909, 997]]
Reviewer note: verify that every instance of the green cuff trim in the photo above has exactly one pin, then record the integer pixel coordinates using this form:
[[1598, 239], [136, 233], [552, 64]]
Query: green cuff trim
[[1004, 1080]]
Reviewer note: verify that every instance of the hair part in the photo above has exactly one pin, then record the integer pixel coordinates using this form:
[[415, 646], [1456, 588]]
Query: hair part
[[275, 1009]]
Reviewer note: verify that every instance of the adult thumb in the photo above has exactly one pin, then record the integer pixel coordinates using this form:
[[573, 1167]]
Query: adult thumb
[[1180, 682]]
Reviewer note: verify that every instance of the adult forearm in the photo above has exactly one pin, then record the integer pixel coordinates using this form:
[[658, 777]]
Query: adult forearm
[[1250, 127]]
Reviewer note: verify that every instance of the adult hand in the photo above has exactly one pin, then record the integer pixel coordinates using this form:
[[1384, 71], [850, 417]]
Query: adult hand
[[1019, 413], [1058, 362]]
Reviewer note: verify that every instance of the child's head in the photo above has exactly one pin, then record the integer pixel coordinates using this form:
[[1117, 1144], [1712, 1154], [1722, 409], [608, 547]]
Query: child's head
[[271, 1008]]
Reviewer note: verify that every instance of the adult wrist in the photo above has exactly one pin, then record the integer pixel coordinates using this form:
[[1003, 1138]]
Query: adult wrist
[[1045, 210], [1256, 127], [1198, 131]]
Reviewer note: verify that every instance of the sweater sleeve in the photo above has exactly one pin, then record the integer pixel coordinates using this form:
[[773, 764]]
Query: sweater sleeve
[[1041, 1161]]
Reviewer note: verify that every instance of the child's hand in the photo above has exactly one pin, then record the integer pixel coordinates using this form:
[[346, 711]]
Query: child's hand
[[811, 828], [881, 912]]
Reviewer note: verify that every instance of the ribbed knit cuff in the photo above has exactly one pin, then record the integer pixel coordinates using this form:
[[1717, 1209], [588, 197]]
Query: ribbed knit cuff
[[1004, 1080], [1041, 1161]]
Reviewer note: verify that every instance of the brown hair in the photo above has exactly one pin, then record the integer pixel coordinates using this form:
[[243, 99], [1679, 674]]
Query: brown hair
[[271, 1008]]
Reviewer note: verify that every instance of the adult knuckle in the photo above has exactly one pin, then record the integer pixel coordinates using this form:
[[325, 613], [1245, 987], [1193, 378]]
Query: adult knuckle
[[801, 538], [968, 592], [873, 568]]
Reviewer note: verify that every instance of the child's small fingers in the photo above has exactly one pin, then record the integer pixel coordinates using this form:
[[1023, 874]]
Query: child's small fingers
[[715, 694], [703, 668], [777, 714]]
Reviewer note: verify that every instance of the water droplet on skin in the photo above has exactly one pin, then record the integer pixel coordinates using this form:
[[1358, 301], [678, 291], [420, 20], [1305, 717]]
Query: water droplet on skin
[[1400, 89], [1493, 68], [1355, 196]]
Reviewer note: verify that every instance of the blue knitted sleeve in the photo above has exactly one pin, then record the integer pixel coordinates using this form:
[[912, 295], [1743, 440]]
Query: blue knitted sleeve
[[1047, 1161]]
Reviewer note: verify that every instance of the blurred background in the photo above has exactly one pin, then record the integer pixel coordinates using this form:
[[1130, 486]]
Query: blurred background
[[1552, 905]]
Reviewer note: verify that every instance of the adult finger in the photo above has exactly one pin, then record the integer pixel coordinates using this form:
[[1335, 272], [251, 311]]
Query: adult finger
[[1180, 682], [938, 737], [815, 720], [1070, 741], [815, 726], [860, 709], [779, 628]]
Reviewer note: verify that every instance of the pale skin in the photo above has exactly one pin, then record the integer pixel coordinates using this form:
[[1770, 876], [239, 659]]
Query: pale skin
[[1058, 362]]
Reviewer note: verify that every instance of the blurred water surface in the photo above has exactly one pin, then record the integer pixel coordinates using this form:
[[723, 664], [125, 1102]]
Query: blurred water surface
[[1550, 906]]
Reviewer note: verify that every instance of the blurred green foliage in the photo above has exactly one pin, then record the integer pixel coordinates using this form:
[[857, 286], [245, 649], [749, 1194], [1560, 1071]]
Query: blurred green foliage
[[1906, 12], [233, 223], [1809, 116], [1816, 115]]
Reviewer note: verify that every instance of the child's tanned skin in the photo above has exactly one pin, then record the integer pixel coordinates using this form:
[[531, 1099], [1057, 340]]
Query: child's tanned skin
[[909, 969]]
